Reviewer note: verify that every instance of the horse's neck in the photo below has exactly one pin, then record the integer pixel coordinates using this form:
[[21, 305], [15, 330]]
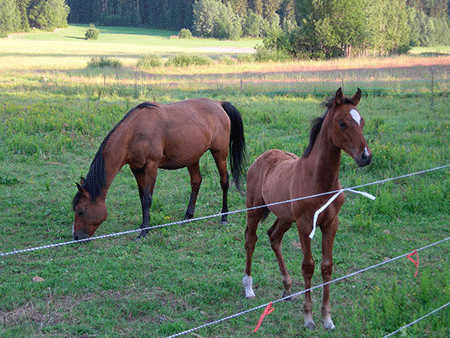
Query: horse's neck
[[114, 161]]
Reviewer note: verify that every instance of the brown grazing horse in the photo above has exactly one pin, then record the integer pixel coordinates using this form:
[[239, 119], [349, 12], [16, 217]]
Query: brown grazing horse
[[167, 136], [279, 176]]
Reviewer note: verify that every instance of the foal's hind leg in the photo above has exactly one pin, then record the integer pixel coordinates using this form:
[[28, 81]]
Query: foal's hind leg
[[196, 180], [253, 218], [276, 233]]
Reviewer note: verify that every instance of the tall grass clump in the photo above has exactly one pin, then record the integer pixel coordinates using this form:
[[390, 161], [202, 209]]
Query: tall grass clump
[[104, 62], [391, 306], [185, 60], [265, 55], [150, 61]]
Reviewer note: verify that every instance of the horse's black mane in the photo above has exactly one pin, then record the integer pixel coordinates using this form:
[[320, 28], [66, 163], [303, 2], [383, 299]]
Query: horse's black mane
[[317, 123], [95, 179]]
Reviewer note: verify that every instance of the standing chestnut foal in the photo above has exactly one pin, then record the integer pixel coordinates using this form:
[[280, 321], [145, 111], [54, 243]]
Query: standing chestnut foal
[[277, 176]]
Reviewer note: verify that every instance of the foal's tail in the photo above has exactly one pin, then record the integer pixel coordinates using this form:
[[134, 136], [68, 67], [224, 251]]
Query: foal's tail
[[237, 143]]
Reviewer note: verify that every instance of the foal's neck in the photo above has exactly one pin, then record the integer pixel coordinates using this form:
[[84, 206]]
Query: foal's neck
[[326, 160]]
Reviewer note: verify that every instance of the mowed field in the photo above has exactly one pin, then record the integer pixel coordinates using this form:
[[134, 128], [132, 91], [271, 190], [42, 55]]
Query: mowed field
[[55, 112]]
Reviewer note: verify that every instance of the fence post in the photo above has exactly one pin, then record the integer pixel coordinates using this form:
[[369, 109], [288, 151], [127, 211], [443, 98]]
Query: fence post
[[432, 88]]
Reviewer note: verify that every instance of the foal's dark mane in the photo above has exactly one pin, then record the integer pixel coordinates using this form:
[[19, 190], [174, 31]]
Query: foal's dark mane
[[317, 123], [95, 179]]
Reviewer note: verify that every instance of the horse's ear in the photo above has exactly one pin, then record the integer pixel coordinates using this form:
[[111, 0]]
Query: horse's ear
[[82, 191], [82, 179], [338, 97], [357, 97], [80, 188]]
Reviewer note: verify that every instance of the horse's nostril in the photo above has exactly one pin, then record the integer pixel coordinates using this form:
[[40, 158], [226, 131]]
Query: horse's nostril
[[75, 237]]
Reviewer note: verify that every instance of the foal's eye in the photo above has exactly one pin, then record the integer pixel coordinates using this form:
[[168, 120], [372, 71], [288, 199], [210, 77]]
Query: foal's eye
[[342, 124], [81, 213]]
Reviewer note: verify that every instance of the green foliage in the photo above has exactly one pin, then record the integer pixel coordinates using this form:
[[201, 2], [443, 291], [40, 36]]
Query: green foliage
[[186, 60], [48, 14], [104, 62], [150, 61], [9, 17], [185, 34], [92, 33], [263, 55], [392, 306], [212, 18]]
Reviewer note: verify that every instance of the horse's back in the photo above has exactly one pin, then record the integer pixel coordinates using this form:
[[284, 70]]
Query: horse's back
[[179, 133]]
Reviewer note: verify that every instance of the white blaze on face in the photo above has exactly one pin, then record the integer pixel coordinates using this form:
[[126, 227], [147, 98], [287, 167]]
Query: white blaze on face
[[355, 115]]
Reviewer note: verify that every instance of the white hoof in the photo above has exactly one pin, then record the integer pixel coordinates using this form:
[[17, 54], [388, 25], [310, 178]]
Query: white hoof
[[248, 286], [328, 324], [309, 322]]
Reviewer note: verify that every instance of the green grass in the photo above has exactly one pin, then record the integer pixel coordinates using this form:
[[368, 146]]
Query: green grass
[[183, 276]]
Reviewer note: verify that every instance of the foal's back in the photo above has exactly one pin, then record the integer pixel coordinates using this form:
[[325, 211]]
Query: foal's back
[[269, 180]]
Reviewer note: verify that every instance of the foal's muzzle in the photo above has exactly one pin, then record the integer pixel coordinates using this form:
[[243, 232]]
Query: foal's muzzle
[[364, 158]]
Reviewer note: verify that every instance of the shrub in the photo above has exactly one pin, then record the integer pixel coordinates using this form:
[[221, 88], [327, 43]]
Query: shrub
[[246, 58], [264, 55], [150, 61], [185, 34], [226, 59], [184, 60], [92, 33], [104, 62]]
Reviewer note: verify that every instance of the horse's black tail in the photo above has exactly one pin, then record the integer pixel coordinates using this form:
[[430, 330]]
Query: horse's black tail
[[237, 144]]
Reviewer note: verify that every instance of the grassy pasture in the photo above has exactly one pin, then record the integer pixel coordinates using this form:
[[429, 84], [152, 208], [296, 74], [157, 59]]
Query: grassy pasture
[[182, 276]]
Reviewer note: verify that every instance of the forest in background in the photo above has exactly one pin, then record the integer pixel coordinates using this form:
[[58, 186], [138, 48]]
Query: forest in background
[[295, 28]]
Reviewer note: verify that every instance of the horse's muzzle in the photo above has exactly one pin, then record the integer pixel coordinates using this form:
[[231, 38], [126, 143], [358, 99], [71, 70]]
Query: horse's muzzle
[[79, 235], [364, 158]]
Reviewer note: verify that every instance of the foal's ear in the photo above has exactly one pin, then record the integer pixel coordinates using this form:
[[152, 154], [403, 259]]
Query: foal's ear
[[357, 97], [338, 97], [82, 179]]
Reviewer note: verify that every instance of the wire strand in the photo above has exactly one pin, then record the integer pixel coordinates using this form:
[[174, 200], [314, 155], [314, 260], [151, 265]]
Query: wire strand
[[307, 290], [55, 245]]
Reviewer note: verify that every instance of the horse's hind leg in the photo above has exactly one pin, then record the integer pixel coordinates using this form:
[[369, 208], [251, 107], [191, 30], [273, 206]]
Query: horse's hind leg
[[276, 233], [221, 162], [196, 181]]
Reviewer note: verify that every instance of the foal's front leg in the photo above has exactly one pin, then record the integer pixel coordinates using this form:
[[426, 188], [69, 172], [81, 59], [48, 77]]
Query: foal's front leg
[[307, 271], [328, 234]]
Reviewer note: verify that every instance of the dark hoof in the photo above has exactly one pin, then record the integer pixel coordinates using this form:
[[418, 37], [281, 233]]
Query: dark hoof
[[142, 235], [287, 296]]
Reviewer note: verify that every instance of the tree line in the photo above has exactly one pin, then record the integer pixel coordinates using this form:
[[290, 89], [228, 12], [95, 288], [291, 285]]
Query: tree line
[[23, 15], [299, 28]]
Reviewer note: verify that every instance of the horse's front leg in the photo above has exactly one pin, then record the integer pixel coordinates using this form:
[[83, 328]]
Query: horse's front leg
[[328, 234], [146, 178], [196, 181]]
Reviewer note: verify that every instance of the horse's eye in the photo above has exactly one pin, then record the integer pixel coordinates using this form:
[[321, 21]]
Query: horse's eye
[[342, 124], [81, 213]]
